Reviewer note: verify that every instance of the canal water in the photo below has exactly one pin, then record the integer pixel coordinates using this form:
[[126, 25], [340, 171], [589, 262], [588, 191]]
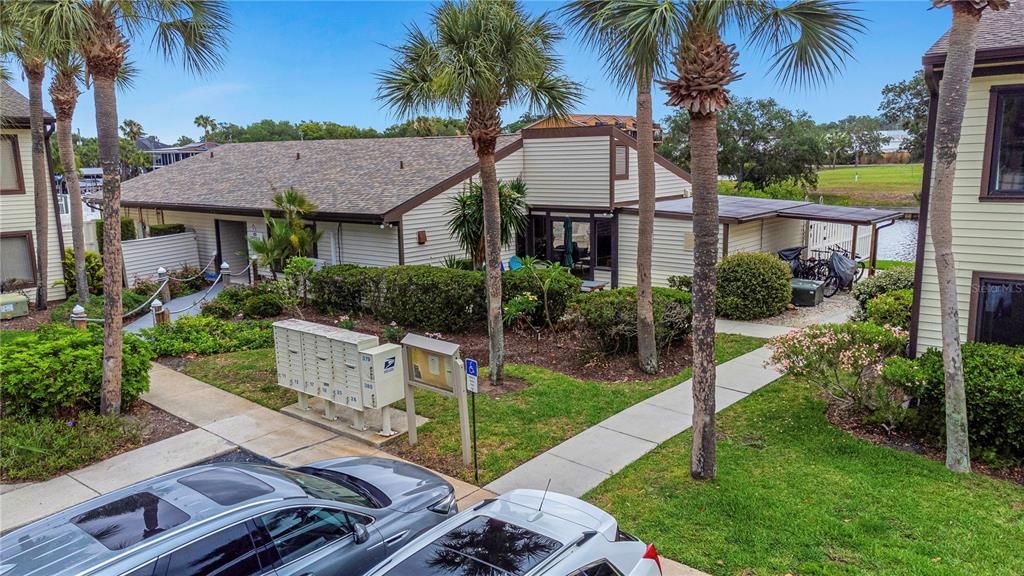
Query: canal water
[[899, 241]]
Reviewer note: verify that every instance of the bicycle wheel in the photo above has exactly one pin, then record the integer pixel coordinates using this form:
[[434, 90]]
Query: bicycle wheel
[[831, 286], [862, 269]]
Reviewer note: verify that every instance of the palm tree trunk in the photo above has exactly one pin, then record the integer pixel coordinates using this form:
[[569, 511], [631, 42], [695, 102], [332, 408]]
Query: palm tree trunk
[[110, 160], [64, 107], [704, 163], [646, 345], [956, 76], [40, 178], [492, 244]]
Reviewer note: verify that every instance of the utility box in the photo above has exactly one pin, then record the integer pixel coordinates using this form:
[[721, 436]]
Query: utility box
[[807, 292], [13, 305], [383, 375]]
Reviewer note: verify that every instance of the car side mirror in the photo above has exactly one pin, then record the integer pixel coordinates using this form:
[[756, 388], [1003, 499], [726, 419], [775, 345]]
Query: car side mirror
[[362, 533]]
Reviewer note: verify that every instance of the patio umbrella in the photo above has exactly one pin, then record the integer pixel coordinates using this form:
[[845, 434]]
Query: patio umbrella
[[567, 241]]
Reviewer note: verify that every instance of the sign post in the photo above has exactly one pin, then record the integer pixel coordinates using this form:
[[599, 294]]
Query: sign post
[[473, 385]]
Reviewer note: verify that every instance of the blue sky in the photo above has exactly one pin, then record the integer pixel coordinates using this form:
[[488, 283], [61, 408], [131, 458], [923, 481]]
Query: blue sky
[[316, 61]]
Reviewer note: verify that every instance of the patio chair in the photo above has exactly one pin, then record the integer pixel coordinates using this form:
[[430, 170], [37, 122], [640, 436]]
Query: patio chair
[[514, 263]]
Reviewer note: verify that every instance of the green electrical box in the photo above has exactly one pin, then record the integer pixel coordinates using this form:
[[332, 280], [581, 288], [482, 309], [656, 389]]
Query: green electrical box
[[807, 292], [13, 305]]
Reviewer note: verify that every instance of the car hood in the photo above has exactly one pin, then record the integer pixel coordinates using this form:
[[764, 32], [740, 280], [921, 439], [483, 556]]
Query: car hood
[[409, 487]]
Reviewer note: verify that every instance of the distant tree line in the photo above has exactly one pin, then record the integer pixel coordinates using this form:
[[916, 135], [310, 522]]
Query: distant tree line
[[271, 130]]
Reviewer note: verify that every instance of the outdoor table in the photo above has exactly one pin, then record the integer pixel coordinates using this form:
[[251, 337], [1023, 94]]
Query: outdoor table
[[592, 286]]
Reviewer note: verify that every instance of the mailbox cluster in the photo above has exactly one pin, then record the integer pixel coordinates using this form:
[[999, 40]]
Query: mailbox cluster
[[342, 367]]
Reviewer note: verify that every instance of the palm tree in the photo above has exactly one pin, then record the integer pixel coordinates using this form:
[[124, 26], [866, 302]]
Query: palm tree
[[956, 76], [132, 130], [466, 214], [102, 32], [68, 70], [207, 124], [481, 56], [634, 36], [25, 39], [807, 42]]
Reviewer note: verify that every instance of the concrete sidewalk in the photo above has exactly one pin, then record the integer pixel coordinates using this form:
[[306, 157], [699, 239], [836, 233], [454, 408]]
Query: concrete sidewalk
[[224, 422], [180, 307], [587, 459]]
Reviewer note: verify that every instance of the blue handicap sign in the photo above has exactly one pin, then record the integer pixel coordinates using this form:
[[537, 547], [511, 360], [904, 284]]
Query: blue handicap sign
[[471, 367]]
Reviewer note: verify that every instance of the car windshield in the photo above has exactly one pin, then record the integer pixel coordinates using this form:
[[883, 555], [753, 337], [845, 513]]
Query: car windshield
[[483, 546], [333, 489]]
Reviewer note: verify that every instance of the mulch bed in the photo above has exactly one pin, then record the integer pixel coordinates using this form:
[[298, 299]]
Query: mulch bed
[[157, 424], [851, 421], [35, 319], [558, 350]]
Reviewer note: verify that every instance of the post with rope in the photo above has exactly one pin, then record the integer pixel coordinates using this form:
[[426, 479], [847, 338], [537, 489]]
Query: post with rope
[[225, 274], [165, 285], [161, 315], [78, 317], [253, 272]]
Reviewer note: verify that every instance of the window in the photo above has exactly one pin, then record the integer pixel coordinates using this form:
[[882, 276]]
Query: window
[[17, 261], [604, 232], [329, 485], [129, 520], [1004, 169], [997, 309], [480, 546], [297, 532], [621, 162], [226, 486], [11, 178], [229, 552], [602, 568]]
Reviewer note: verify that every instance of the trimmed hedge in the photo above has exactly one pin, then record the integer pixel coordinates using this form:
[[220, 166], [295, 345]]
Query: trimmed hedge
[[753, 285], [892, 308], [562, 287], [263, 306], [611, 317], [994, 383], [428, 297], [341, 288], [208, 335], [93, 271], [128, 231], [58, 370], [165, 229], [901, 278]]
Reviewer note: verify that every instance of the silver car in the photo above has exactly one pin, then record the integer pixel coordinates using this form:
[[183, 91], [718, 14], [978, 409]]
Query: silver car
[[332, 517], [525, 533]]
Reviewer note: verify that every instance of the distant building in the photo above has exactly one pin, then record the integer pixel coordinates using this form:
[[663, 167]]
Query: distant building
[[892, 141], [165, 155], [626, 124]]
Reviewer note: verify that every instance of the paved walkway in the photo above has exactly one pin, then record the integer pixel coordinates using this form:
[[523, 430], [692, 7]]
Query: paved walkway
[[180, 307], [224, 422]]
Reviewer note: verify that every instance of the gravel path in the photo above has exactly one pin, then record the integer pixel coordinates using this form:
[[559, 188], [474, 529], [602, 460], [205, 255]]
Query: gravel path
[[836, 309]]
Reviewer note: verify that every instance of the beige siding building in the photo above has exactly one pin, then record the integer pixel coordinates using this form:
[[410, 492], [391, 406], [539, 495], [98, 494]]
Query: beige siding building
[[18, 243], [988, 194]]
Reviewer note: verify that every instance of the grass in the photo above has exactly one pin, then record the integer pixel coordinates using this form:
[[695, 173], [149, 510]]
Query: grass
[[890, 264], [517, 426], [871, 185], [795, 495], [41, 448], [251, 374]]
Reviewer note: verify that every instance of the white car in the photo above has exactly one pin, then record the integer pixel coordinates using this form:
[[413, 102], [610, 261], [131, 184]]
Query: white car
[[525, 533]]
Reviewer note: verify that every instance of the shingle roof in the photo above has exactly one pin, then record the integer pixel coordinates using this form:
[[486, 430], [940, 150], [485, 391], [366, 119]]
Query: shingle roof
[[999, 29], [14, 106], [365, 177]]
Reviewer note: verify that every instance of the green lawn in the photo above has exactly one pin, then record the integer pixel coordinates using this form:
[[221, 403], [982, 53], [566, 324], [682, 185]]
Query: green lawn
[[795, 495], [890, 264], [251, 374], [871, 185], [517, 426]]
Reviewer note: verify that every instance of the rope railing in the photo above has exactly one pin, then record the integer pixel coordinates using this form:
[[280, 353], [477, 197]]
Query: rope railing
[[201, 272], [202, 298], [81, 311]]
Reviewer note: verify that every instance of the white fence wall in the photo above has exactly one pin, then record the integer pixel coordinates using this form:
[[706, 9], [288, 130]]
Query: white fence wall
[[823, 235], [142, 257]]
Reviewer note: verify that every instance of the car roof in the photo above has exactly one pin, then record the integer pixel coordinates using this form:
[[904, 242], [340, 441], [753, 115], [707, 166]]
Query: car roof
[[55, 546]]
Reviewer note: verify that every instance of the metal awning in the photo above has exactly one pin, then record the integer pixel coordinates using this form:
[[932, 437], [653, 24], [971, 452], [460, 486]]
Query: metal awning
[[840, 214], [740, 209]]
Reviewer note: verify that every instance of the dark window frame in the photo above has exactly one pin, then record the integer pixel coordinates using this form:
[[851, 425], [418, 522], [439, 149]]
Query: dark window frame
[[615, 165], [13, 138], [992, 137], [587, 216], [974, 319], [27, 235]]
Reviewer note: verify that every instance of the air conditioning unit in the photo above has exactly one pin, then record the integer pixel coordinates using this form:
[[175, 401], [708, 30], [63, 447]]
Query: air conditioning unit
[[13, 305]]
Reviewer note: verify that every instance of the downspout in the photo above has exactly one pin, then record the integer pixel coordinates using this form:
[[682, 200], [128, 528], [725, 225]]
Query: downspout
[[873, 258], [50, 127], [922, 222]]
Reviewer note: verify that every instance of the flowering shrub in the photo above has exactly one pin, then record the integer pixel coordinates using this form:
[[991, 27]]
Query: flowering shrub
[[843, 360], [393, 332], [520, 308], [346, 322]]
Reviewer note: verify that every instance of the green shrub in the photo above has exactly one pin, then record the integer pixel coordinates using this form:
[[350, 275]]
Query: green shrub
[[58, 370], [262, 306], [341, 288], [208, 335], [128, 231], [228, 302], [218, 309], [891, 308], [611, 317], [429, 297], [130, 300], [93, 271], [753, 285], [194, 281], [684, 283], [994, 384], [165, 229], [553, 287], [41, 448], [901, 278]]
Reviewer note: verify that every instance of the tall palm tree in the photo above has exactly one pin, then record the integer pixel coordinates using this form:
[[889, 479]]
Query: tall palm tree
[[26, 41], [102, 31], [132, 130], [207, 124], [807, 42], [68, 70], [481, 56], [956, 76], [634, 36]]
